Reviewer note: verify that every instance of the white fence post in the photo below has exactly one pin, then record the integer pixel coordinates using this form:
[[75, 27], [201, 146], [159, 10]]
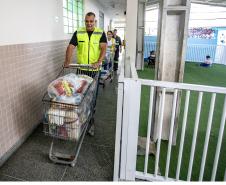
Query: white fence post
[[208, 130], [219, 142], [131, 114]]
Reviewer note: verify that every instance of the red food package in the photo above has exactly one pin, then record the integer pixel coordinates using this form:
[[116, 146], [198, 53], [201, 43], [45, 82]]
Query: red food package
[[81, 88], [62, 132], [59, 87]]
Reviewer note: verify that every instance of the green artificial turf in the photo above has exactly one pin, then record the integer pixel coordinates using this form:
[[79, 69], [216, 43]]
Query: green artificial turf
[[194, 74]]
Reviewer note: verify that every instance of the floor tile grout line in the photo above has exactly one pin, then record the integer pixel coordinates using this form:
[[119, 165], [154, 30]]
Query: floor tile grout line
[[13, 177], [63, 174]]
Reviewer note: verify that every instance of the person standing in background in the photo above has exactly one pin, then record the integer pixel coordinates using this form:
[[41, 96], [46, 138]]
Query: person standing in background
[[110, 50], [118, 49]]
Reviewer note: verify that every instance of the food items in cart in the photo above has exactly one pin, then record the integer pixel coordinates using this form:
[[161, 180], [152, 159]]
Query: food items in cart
[[76, 99], [83, 83], [74, 130], [69, 88], [64, 119], [87, 78], [68, 130], [66, 123], [60, 116], [56, 116], [62, 132]]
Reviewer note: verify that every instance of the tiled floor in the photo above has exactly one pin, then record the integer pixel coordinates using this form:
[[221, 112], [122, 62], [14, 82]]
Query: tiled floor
[[96, 159]]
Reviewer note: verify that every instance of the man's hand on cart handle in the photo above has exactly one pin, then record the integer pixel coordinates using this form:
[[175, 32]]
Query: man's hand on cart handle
[[97, 64], [66, 64]]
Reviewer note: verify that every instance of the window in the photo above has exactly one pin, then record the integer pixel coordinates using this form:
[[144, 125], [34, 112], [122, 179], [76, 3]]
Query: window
[[73, 15]]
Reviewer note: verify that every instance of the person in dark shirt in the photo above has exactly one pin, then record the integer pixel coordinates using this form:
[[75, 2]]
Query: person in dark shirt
[[91, 43], [118, 48], [86, 39]]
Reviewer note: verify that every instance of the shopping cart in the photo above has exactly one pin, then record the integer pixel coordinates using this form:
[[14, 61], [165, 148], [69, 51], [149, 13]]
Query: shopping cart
[[70, 121], [107, 72]]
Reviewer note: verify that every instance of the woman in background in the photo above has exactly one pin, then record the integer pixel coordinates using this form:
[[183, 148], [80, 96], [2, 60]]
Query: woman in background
[[110, 51]]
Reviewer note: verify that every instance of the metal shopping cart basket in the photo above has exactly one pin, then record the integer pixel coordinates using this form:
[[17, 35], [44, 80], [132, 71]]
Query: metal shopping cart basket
[[66, 121]]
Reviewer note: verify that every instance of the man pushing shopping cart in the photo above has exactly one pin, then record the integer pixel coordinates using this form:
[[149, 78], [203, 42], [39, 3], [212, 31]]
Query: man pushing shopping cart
[[91, 43], [69, 103]]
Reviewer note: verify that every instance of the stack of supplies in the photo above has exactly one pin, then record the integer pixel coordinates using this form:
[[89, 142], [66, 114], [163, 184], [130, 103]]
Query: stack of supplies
[[69, 88]]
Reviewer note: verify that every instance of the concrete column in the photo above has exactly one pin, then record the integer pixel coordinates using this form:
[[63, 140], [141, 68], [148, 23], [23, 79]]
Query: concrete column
[[131, 34], [140, 34], [172, 32]]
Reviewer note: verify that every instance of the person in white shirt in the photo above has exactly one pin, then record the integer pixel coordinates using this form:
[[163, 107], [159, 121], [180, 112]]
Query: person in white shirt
[[110, 51]]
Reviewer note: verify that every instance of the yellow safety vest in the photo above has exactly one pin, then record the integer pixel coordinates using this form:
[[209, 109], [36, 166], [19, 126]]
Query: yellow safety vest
[[88, 50]]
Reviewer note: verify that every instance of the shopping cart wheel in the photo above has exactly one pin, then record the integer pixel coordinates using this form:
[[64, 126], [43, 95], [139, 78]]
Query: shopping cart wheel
[[72, 164], [92, 121]]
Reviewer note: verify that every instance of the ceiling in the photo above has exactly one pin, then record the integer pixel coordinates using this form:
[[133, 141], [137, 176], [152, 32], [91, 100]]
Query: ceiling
[[115, 7]]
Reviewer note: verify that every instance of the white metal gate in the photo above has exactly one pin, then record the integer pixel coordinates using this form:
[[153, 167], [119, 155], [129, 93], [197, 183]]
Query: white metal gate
[[128, 115]]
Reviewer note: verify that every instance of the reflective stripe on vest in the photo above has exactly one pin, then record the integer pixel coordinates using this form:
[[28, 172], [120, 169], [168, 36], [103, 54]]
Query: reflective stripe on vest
[[88, 50]]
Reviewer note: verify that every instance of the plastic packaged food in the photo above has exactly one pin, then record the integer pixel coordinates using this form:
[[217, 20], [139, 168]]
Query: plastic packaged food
[[69, 88]]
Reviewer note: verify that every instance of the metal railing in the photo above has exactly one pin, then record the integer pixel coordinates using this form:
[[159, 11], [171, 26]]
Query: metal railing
[[188, 88], [128, 116]]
